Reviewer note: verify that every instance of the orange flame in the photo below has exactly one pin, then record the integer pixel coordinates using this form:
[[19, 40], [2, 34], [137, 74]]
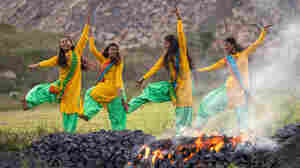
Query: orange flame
[[147, 153], [157, 154], [215, 143]]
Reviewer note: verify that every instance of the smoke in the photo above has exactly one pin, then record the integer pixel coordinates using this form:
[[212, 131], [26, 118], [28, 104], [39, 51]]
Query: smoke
[[274, 81], [274, 78]]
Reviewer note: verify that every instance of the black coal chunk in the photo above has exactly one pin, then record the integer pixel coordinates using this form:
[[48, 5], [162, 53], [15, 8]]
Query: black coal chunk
[[111, 149], [123, 149]]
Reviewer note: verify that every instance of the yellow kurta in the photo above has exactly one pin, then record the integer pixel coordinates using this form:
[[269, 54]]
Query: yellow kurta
[[71, 101], [234, 91], [106, 91], [184, 82]]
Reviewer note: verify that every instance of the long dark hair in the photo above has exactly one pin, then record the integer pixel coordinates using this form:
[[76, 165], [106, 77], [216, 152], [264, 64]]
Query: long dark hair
[[235, 45], [116, 60], [62, 59], [172, 51]]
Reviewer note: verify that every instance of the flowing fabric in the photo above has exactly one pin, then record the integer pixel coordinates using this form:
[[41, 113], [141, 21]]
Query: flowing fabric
[[105, 93], [234, 94], [117, 113], [67, 89]]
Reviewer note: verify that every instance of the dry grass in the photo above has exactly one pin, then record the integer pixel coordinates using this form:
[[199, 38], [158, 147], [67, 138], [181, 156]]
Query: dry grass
[[18, 128]]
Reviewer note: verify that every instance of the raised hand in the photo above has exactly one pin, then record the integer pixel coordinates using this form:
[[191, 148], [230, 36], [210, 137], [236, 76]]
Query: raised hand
[[33, 66], [140, 82], [177, 12], [89, 16], [267, 26]]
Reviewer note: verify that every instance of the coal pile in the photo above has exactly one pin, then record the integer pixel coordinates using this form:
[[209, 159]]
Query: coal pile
[[288, 152], [203, 152], [105, 149], [134, 149]]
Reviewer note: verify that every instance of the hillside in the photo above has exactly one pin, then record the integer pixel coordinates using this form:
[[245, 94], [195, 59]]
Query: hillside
[[38, 25]]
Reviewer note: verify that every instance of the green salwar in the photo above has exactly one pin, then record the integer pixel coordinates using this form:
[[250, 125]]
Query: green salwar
[[159, 92], [116, 111], [217, 101], [40, 94]]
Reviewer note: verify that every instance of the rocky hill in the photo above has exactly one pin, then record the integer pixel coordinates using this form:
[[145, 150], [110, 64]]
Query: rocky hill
[[147, 21]]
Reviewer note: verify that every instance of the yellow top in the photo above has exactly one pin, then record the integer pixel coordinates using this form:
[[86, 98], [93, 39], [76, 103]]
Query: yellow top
[[184, 82], [71, 101], [233, 86], [106, 91]]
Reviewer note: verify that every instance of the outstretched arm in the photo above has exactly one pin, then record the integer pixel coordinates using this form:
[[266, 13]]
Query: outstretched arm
[[84, 37], [257, 43], [157, 66], [95, 52], [221, 63], [53, 61]]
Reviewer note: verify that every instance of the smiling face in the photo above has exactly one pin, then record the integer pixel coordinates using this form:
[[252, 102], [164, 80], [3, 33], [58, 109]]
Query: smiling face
[[113, 51], [65, 44], [228, 47]]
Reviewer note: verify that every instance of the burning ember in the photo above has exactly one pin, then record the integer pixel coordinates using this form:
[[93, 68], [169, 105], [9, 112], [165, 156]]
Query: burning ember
[[166, 152], [127, 149]]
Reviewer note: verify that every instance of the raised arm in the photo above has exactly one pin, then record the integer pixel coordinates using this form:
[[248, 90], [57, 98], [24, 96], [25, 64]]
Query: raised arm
[[184, 64], [53, 61], [221, 63], [257, 43], [157, 66], [83, 40], [84, 36], [119, 81], [94, 50]]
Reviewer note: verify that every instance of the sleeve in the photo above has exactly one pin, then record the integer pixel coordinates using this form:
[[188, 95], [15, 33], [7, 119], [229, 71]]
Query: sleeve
[[215, 66], [50, 62], [157, 66], [119, 81], [94, 50], [83, 40], [258, 42], [184, 64]]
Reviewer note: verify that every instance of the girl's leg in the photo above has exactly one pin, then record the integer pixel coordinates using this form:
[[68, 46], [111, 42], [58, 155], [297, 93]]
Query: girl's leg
[[70, 122], [155, 92], [91, 107], [184, 117], [117, 114], [242, 117], [39, 95], [215, 102]]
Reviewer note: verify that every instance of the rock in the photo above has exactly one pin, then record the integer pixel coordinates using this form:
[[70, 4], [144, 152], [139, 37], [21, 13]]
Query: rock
[[8, 74], [58, 16], [109, 36], [130, 36], [7, 85], [14, 94]]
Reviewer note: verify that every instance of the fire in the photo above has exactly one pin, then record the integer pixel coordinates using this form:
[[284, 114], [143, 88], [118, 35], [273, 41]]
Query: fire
[[216, 143], [147, 152], [157, 154], [189, 157], [188, 151]]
